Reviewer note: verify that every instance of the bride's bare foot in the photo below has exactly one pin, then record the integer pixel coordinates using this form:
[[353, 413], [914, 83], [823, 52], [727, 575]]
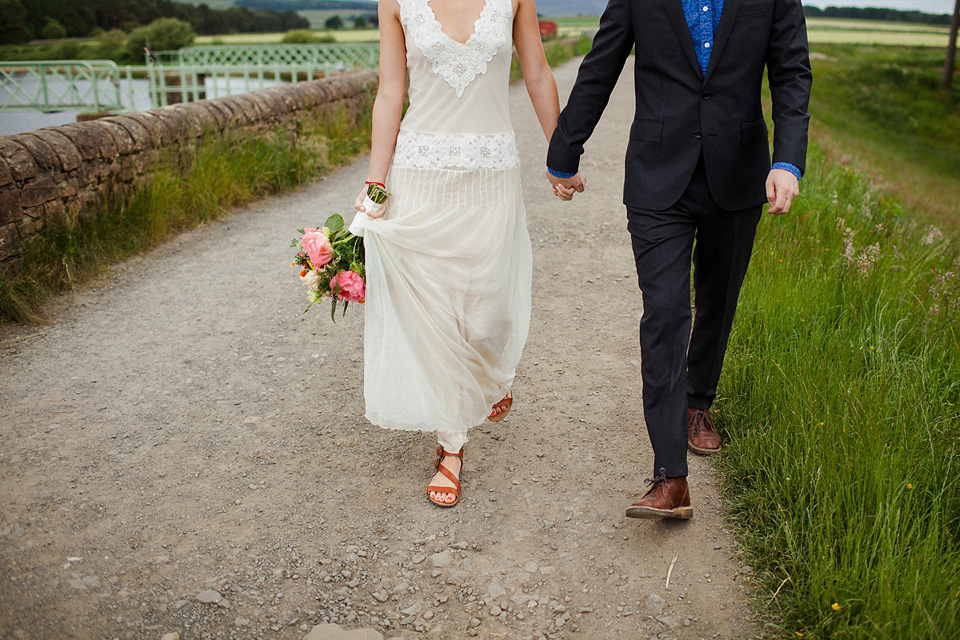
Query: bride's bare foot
[[502, 408], [447, 477]]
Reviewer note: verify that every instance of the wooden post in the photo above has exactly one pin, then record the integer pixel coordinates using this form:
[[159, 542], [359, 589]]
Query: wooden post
[[951, 48]]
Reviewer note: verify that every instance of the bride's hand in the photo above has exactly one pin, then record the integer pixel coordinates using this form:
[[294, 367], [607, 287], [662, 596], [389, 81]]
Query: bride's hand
[[358, 205]]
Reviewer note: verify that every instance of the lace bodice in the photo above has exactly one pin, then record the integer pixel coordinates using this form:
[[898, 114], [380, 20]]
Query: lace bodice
[[459, 115]]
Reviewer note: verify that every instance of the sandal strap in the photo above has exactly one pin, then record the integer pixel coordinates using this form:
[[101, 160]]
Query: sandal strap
[[441, 454], [451, 477]]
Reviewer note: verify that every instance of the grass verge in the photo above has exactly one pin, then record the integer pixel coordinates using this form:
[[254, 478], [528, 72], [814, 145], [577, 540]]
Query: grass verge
[[841, 413], [884, 107], [225, 172]]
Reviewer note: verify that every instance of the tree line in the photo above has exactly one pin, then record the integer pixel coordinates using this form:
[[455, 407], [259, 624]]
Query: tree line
[[299, 5], [25, 20], [877, 13]]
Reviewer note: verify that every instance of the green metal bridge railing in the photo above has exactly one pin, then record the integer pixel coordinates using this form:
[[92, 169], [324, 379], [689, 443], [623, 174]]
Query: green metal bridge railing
[[59, 85], [192, 73], [215, 70]]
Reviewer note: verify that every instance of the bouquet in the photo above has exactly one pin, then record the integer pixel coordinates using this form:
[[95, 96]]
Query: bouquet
[[331, 262], [375, 199]]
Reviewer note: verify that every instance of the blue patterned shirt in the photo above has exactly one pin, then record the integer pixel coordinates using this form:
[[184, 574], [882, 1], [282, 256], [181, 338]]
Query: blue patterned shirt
[[702, 17]]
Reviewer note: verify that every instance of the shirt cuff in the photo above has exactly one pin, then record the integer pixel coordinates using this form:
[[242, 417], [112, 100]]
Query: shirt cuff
[[786, 166], [560, 174]]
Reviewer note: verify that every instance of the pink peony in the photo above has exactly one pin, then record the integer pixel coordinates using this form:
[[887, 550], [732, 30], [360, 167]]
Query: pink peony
[[351, 286], [317, 246]]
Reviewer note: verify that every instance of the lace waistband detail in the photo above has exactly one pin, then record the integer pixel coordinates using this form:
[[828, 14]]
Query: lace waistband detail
[[458, 150]]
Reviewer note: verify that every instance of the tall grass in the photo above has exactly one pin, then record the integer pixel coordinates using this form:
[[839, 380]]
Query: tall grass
[[225, 171], [841, 412]]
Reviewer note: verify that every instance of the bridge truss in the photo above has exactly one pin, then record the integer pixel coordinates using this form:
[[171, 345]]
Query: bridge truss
[[191, 73]]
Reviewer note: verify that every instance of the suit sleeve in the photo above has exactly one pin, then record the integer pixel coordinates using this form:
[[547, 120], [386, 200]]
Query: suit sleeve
[[788, 70], [596, 79]]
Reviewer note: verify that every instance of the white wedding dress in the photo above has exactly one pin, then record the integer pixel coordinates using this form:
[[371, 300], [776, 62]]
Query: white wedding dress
[[449, 264]]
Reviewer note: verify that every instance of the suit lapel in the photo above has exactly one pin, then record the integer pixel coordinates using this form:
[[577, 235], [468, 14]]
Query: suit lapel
[[730, 8], [674, 9]]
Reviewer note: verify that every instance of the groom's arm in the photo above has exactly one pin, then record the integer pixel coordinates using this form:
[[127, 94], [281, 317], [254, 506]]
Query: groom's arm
[[788, 70], [598, 75]]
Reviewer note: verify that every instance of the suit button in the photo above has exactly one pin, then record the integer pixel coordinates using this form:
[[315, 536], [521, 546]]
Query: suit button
[[706, 95], [697, 135]]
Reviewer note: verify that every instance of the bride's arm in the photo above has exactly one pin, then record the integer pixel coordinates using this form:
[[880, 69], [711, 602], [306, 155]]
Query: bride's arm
[[388, 107], [541, 87]]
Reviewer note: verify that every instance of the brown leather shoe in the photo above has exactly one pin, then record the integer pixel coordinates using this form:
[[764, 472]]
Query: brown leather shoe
[[702, 436], [667, 498]]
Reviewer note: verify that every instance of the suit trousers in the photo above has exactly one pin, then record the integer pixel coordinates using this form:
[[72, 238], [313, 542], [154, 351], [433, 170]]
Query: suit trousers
[[680, 368]]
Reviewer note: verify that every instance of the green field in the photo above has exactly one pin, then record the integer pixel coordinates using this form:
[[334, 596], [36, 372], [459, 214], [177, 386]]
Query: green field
[[881, 109], [821, 30], [840, 31], [341, 35]]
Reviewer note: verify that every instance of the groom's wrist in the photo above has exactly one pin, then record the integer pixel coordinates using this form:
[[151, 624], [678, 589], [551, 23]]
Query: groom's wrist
[[786, 166], [563, 175]]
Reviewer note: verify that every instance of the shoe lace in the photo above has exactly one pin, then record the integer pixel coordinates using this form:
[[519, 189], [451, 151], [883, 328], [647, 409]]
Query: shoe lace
[[699, 420], [658, 480]]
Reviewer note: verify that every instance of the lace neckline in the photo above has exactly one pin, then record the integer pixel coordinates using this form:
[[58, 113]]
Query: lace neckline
[[458, 62]]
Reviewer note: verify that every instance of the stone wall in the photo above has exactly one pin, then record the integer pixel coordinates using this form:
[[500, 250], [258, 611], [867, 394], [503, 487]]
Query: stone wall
[[65, 170]]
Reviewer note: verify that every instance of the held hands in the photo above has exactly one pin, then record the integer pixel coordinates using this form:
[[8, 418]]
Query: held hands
[[564, 188], [782, 188]]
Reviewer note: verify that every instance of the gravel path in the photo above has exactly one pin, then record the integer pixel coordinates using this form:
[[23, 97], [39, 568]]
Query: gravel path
[[184, 453]]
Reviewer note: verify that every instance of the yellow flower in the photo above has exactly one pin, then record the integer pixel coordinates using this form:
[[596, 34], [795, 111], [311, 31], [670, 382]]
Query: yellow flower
[[799, 635], [835, 606], [820, 424], [909, 486]]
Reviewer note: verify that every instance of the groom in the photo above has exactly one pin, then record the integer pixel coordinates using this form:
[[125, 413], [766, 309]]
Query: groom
[[698, 170]]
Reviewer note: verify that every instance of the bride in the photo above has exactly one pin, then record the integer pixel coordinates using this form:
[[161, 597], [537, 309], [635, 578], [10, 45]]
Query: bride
[[448, 262]]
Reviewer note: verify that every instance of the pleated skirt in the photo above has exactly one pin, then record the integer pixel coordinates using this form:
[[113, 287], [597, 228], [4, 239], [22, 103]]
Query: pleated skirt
[[447, 308]]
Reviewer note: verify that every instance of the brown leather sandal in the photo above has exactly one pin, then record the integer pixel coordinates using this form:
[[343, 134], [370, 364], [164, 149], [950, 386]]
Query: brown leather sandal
[[504, 406], [455, 489]]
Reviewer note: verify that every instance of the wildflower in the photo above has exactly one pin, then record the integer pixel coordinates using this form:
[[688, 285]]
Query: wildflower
[[933, 235], [799, 635], [909, 485], [835, 606], [867, 257], [849, 251]]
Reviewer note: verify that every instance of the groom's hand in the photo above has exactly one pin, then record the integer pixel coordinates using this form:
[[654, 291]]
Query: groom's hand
[[782, 188], [564, 188]]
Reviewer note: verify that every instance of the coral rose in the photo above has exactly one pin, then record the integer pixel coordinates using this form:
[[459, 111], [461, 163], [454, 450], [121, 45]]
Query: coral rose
[[351, 286], [317, 246]]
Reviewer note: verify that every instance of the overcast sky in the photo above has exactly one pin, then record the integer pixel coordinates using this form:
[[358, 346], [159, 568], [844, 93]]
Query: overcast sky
[[927, 6]]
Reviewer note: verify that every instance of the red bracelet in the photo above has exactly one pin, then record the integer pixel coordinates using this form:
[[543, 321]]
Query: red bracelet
[[379, 184]]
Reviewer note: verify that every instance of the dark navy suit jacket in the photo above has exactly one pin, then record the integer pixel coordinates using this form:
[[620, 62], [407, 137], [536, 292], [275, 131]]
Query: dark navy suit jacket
[[682, 112]]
